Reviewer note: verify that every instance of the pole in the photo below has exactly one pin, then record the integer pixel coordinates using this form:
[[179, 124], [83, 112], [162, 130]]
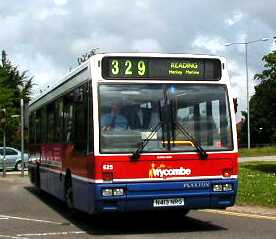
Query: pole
[[22, 136], [4, 148], [247, 98], [247, 82]]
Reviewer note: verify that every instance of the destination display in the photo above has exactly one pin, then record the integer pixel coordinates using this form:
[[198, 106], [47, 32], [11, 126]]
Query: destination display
[[192, 69]]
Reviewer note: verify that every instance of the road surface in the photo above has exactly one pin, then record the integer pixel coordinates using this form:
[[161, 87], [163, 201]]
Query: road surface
[[26, 213]]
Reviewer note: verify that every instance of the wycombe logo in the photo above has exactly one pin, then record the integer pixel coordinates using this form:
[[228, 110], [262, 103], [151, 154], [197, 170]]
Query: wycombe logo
[[162, 171]]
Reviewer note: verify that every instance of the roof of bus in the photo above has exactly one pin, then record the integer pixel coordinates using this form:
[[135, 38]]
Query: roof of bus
[[158, 54], [61, 81], [85, 64]]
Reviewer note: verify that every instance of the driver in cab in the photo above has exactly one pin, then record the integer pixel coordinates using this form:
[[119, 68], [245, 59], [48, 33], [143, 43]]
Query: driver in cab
[[114, 119]]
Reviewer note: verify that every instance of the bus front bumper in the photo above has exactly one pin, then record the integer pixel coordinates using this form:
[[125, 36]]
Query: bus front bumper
[[148, 196]]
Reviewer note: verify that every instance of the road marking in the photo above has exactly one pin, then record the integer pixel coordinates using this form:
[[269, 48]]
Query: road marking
[[238, 214], [33, 220], [4, 236], [50, 234]]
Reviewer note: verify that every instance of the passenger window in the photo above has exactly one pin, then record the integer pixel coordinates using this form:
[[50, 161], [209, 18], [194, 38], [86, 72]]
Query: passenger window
[[51, 123], [81, 114], [68, 115], [11, 152], [59, 121], [44, 125]]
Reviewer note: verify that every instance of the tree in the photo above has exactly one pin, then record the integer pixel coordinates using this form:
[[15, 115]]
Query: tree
[[14, 85], [263, 105]]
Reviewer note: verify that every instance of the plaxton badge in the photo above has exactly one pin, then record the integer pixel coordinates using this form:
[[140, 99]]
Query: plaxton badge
[[163, 172], [200, 184]]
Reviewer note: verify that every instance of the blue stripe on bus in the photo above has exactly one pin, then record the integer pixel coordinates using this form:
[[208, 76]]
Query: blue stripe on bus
[[139, 196]]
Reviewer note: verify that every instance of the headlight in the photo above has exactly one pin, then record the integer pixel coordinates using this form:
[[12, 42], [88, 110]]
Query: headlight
[[217, 187], [107, 192], [118, 192], [227, 187]]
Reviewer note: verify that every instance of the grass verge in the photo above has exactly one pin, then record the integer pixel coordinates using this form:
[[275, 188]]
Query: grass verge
[[257, 184], [259, 151]]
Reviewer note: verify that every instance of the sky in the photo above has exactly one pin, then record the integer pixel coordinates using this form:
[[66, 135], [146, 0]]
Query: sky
[[46, 37]]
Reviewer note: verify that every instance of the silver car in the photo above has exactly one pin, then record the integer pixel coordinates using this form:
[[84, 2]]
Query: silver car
[[12, 159]]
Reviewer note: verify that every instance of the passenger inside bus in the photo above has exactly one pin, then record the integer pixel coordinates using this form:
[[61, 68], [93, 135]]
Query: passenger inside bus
[[114, 119]]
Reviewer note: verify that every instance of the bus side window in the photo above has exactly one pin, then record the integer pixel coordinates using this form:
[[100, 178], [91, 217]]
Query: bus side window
[[59, 120], [32, 128], [81, 115], [44, 124], [90, 131], [38, 127], [68, 117]]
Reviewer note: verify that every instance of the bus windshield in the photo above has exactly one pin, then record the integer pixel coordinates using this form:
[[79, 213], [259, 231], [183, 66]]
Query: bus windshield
[[129, 113]]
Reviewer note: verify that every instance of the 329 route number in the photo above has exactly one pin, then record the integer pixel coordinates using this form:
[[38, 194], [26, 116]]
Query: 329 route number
[[128, 68]]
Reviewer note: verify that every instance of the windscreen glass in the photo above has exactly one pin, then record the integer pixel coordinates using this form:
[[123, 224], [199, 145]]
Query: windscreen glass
[[128, 114]]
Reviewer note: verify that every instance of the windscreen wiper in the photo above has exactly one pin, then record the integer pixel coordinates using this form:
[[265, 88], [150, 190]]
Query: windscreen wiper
[[176, 125], [185, 132], [136, 155]]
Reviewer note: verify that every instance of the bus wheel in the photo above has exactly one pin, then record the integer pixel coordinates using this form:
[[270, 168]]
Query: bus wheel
[[69, 194]]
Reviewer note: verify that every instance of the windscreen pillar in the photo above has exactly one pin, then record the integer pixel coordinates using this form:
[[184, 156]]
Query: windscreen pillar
[[197, 123], [223, 122], [210, 124]]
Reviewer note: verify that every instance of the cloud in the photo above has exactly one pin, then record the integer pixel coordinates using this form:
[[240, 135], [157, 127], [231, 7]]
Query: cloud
[[46, 37], [146, 45], [47, 13], [60, 2], [235, 18], [212, 45]]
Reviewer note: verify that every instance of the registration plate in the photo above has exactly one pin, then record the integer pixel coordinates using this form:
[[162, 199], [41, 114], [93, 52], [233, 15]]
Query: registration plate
[[169, 202]]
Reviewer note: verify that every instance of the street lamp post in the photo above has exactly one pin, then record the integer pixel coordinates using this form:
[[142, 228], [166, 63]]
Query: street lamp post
[[22, 124], [3, 121], [22, 136], [247, 82]]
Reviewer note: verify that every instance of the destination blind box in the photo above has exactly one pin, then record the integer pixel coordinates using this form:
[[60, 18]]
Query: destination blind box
[[149, 68]]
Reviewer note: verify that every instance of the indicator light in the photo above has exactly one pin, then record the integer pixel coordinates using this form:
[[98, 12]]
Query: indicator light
[[227, 172]]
